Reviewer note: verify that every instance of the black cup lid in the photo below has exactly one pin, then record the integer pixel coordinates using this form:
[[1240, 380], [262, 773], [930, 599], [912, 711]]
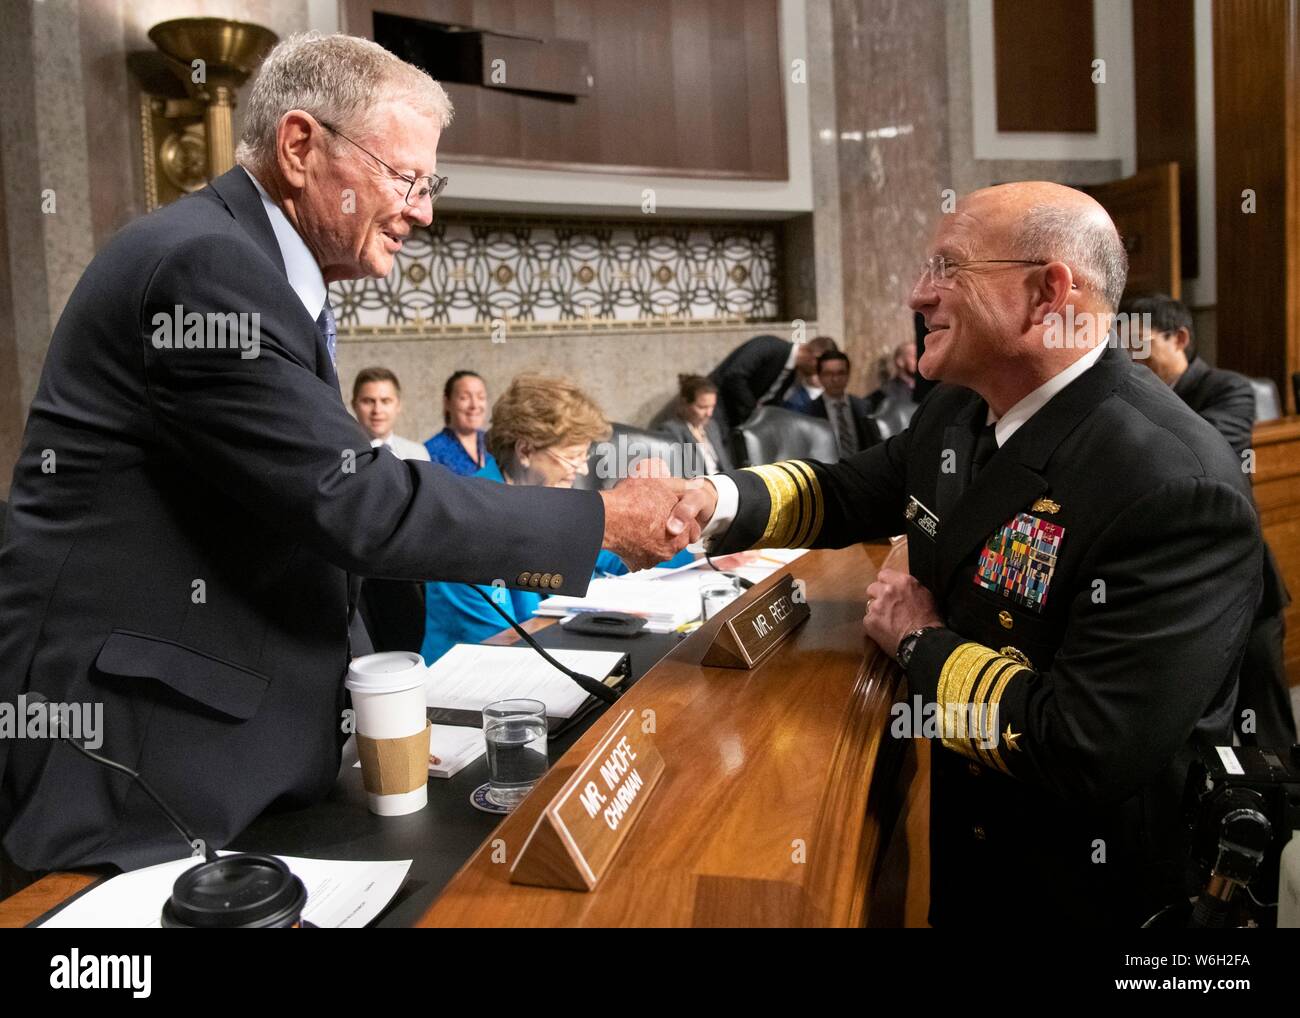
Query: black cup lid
[[245, 890]]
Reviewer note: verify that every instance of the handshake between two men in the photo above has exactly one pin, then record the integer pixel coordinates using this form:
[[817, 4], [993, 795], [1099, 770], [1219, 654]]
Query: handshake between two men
[[651, 516]]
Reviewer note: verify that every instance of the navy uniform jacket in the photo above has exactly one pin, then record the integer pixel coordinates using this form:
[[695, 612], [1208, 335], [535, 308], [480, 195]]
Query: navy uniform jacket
[[1104, 673], [182, 528]]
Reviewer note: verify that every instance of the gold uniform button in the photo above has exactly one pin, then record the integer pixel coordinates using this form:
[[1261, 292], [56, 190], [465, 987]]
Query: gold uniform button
[[523, 579], [1005, 618], [557, 581], [978, 831]]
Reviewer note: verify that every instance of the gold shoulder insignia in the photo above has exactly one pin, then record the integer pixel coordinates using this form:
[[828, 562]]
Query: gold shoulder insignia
[[1045, 505], [1009, 738]]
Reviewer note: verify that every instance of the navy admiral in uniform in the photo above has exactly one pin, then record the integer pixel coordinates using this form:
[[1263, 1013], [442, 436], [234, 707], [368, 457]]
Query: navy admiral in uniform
[[1084, 565]]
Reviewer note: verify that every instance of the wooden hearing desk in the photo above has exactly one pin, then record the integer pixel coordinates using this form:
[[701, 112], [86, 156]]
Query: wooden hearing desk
[[780, 790], [779, 794]]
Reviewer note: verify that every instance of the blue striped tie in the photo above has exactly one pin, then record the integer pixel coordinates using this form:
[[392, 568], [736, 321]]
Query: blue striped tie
[[328, 329]]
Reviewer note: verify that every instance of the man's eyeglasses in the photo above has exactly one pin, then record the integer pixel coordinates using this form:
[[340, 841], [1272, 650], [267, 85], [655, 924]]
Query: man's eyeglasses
[[942, 270], [419, 187]]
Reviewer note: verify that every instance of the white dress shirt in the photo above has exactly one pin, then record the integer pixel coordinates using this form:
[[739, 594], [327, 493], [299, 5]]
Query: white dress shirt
[[403, 448], [299, 263], [1006, 426]]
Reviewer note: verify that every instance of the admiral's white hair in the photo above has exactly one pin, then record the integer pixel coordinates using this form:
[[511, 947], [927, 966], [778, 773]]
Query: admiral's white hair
[[1086, 242], [338, 79]]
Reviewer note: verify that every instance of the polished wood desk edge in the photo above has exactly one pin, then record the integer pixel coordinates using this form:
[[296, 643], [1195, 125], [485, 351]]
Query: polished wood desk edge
[[36, 899]]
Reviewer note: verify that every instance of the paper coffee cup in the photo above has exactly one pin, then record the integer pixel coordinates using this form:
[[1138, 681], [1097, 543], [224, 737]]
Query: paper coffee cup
[[389, 703]]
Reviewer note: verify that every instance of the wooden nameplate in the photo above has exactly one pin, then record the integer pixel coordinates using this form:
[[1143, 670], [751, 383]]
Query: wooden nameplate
[[582, 828], [758, 622]]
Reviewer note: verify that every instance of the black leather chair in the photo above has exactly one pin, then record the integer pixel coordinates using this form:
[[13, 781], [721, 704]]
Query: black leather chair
[[610, 461], [1268, 403], [775, 434], [893, 416]]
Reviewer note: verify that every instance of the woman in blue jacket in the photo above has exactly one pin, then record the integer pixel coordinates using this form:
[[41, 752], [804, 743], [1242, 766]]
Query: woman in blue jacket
[[542, 429]]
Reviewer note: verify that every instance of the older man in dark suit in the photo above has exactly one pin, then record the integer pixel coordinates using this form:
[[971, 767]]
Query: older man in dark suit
[[193, 501], [1084, 564]]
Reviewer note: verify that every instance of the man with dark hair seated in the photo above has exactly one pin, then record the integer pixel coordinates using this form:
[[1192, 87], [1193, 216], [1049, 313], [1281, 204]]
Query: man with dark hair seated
[[1165, 343], [849, 416]]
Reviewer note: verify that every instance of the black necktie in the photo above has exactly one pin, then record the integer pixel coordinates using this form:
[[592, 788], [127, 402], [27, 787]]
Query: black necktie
[[985, 446]]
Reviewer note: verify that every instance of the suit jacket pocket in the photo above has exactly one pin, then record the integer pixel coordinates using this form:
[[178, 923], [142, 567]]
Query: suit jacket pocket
[[227, 688]]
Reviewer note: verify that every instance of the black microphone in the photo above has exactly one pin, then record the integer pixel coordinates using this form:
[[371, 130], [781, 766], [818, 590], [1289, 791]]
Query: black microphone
[[190, 839], [597, 689]]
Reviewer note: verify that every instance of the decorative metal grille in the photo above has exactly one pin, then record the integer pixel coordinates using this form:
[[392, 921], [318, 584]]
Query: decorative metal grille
[[467, 273]]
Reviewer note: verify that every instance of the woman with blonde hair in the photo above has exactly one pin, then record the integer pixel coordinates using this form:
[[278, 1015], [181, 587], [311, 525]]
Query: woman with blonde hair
[[541, 434]]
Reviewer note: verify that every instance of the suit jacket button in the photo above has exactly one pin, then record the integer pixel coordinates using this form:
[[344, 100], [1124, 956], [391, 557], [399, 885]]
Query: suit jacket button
[[978, 831], [557, 581], [1005, 618], [523, 579], [535, 579], [546, 580]]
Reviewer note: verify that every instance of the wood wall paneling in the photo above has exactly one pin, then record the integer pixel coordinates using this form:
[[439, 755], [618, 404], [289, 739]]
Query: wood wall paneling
[[1164, 92], [1042, 56], [1255, 159], [1145, 210], [682, 87]]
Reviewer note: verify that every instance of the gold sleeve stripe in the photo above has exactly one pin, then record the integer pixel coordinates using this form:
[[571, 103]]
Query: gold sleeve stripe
[[814, 517], [988, 680], [792, 520], [966, 657], [795, 515], [971, 684], [995, 700]]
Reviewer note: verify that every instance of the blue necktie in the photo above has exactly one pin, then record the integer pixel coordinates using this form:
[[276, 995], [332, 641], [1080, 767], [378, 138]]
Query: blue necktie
[[328, 329]]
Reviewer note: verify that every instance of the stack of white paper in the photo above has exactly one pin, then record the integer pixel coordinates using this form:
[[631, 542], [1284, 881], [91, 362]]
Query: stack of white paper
[[660, 603], [471, 676]]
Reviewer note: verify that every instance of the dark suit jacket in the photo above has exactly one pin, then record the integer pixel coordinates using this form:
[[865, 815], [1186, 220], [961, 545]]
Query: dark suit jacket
[[677, 429], [1226, 400], [1103, 691], [862, 422], [746, 374], [186, 562]]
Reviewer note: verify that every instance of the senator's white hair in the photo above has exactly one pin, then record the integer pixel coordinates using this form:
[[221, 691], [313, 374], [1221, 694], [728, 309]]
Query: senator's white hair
[[338, 79], [1085, 241]]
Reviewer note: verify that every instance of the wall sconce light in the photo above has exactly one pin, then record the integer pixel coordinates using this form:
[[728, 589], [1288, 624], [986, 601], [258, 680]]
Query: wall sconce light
[[187, 102]]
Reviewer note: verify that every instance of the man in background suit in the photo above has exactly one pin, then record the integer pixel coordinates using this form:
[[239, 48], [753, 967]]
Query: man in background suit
[[193, 502], [761, 371], [849, 415], [1226, 400]]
